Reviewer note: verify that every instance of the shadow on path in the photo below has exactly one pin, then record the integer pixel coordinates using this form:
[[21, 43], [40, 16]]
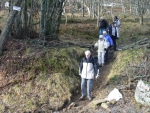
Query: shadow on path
[[81, 106]]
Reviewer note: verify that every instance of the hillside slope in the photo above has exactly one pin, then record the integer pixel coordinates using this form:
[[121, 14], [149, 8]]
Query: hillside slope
[[36, 78]]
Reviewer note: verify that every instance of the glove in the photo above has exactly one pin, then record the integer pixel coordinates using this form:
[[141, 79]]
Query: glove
[[105, 49], [111, 47], [96, 76], [92, 46]]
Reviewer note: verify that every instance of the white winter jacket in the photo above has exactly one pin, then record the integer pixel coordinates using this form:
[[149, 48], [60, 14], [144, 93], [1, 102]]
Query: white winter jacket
[[101, 44], [88, 68]]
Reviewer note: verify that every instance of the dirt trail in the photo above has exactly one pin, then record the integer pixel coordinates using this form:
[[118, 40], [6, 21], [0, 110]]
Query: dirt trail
[[82, 106], [101, 90]]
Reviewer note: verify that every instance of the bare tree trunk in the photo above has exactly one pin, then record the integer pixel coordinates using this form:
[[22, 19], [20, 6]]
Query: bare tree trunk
[[112, 10], [142, 8], [10, 6], [130, 7], [42, 18], [6, 30], [98, 17], [72, 9], [18, 25], [25, 14], [0, 5], [123, 7], [59, 19], [82, 8], [141, 19], [90, 9], [101, 9], [64, 8], [134, 14], [93, 8]]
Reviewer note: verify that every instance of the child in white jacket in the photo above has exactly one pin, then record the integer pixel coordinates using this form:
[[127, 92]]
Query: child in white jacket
[[102, 46]]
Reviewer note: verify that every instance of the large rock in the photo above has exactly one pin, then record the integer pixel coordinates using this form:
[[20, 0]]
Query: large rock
[[113, 101], [104, 105], [142, 93], [99, 101], [73, 104]]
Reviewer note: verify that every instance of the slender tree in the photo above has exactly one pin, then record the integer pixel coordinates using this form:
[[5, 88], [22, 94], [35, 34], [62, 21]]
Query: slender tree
[[6, 30], [25, 13], [142, 7], [83, 8], [42, 17]]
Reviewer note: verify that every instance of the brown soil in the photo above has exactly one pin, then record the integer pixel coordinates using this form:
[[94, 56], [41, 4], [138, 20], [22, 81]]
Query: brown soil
[[99, 85], [101, 89]]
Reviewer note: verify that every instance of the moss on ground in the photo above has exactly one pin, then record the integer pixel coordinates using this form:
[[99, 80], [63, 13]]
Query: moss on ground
[[45, 79], [124, 59], [49, 82]]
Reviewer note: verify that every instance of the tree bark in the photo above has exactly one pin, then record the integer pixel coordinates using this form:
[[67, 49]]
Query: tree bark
[[112, 16], [6, 30], [141, 19], [42, 18], [25, 14], [82, 8], [98, 17], [18, 25]]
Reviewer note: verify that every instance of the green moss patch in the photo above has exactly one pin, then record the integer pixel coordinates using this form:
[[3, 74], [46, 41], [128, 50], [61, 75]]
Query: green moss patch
[[44, 82], [123, 59]]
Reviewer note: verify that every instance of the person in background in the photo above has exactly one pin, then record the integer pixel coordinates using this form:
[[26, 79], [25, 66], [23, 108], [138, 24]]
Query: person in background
[[117, 24], [103, 25], [88, 70], [110, 44], [102, 46], [113, 34]]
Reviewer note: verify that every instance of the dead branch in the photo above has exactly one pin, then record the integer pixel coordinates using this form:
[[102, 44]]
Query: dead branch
[[127, 87], [139, 77], [144, 41], [55, 44]]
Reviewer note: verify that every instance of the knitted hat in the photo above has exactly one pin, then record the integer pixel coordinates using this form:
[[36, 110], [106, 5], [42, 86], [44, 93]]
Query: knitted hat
[[104, 32], [100, 36]]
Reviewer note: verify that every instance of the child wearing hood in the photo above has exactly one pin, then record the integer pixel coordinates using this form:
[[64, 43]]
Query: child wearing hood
[[102, 46]]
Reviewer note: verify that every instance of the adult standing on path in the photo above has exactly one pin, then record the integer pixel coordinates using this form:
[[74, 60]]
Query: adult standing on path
[[113, 34], [117, 24], [103, 25], [88, 70], [110, 44]]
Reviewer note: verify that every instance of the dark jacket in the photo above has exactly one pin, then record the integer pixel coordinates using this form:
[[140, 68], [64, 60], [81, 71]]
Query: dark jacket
[[103, 24], [88, 68]]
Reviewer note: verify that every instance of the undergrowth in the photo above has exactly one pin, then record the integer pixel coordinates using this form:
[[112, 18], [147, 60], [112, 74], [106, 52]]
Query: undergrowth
[[47, 78], [47, 81], [125, 58]]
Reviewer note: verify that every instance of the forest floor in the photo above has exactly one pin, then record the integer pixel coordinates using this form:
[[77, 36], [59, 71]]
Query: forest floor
[[102, 88], [83, 106]]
